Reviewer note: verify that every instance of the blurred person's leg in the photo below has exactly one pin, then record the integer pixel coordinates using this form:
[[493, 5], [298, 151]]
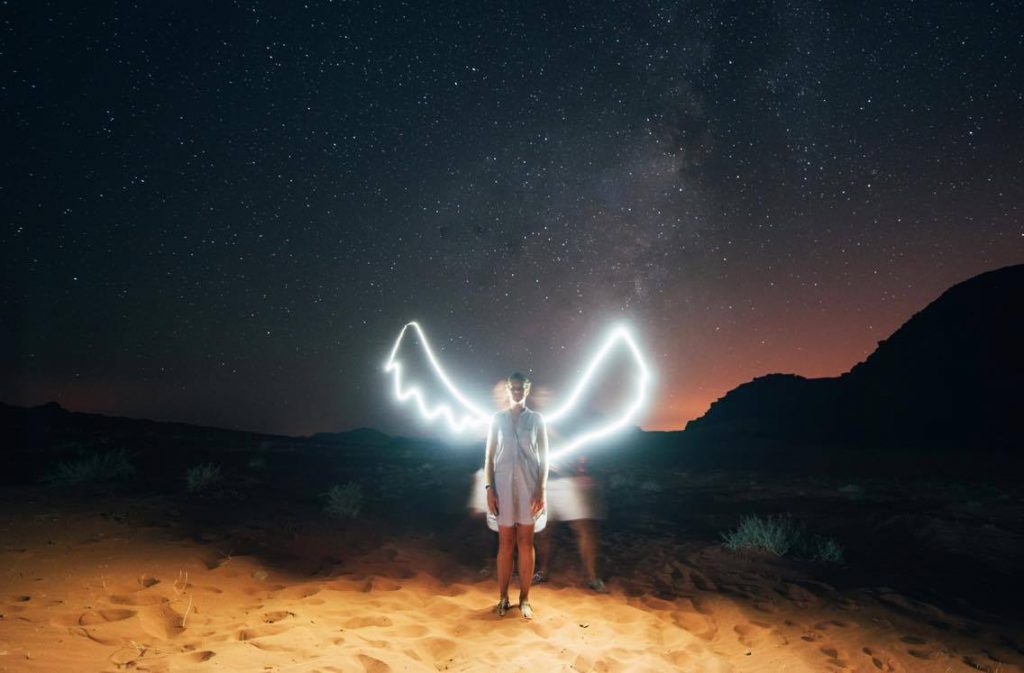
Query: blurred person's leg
[[542, 547], [586, 540]]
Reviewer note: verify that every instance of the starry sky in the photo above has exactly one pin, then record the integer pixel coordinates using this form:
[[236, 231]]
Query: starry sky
[[223, 213]]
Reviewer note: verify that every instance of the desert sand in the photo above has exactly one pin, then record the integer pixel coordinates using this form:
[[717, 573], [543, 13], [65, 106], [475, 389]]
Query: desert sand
[[115, 584]]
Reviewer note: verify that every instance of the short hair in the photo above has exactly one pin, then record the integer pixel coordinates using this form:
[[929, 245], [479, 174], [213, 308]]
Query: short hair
[[517, 376]]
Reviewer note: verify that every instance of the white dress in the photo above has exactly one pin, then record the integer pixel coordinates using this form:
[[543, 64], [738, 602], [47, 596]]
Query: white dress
[[517, 465]]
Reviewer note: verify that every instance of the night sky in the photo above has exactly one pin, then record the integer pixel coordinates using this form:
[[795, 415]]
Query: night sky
[[222, 213]]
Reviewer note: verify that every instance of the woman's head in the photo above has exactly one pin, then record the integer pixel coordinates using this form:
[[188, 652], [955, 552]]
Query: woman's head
[[518, 386]]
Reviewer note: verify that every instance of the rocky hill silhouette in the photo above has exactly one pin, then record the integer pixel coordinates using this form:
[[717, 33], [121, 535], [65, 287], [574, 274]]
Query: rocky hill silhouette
[[950, 375]]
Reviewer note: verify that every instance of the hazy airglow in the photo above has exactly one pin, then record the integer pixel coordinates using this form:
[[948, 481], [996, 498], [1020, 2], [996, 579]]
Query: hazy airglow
[[473, 416]]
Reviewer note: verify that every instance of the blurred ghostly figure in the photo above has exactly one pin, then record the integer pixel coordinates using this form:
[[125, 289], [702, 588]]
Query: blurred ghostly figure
[[573, 498]]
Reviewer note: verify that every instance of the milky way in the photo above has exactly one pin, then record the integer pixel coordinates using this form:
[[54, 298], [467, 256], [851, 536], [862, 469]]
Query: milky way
[[222, 214]]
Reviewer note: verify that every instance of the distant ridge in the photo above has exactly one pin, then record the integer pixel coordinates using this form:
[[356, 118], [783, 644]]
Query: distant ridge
[[364, 436], [952, 373]]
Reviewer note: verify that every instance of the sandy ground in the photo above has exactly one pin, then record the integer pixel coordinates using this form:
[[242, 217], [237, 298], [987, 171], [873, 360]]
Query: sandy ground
[[96, 588]]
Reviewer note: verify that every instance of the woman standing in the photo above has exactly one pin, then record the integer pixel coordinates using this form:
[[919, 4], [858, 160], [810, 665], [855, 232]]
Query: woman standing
[[516, 476]]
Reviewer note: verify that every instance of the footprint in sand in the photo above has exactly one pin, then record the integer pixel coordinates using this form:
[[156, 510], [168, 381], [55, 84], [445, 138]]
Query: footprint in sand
[[452, 590], [380, 584], [824, 626], [657, 603], [127, 657], [879, 660], [19, 603], [698, 604], [92, 618], [412, 631], [703, 582], [744, 632], [405, 573], [209, 589], [364, 622], [437, 648], [920, 649], [276, 616], [137, 599], [214, 562], [300, 593], [693, 622], [262, 631], [375, 643], [373, 665], [847, 604], [994, 665], [833, 656], [799, 596], [164, 621], [752, 633], [113, 627]]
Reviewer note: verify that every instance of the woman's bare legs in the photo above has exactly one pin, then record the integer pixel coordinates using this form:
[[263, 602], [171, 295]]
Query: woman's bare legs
[[506, 543], [524, 543]]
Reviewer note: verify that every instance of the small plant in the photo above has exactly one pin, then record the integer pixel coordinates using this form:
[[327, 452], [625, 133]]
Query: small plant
[[344, 501], [650, 486], [853, 491], [622, 481], [200, 477], [827, 549], [257, 463], [775, 534], [781, 535], [92, 468]]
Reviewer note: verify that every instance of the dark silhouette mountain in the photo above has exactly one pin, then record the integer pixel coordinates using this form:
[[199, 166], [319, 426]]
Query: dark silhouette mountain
[[952, 374], [364, 436]]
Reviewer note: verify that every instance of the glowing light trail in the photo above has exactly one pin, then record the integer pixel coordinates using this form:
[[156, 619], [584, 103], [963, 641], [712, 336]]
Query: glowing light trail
[[473, 416], [475, 419], [618, 334]]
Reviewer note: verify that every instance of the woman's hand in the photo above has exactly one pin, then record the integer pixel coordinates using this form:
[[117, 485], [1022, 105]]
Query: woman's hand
[[537, 503], [492, 501]]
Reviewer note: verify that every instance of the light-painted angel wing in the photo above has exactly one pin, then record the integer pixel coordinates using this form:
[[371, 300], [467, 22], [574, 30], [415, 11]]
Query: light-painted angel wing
[[433, 392], [567, 433]]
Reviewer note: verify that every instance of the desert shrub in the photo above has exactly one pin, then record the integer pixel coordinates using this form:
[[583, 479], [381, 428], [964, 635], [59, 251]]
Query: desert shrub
[[826, 549], [92, 468], [650, 486], [344, 502], [853, 491], [775, 534], [623, 481], [200, 477], [782, 535]]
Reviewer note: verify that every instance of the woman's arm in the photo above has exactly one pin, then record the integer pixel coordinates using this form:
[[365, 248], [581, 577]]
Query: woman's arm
[[540, 496], [492, 443], [542, 447]]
